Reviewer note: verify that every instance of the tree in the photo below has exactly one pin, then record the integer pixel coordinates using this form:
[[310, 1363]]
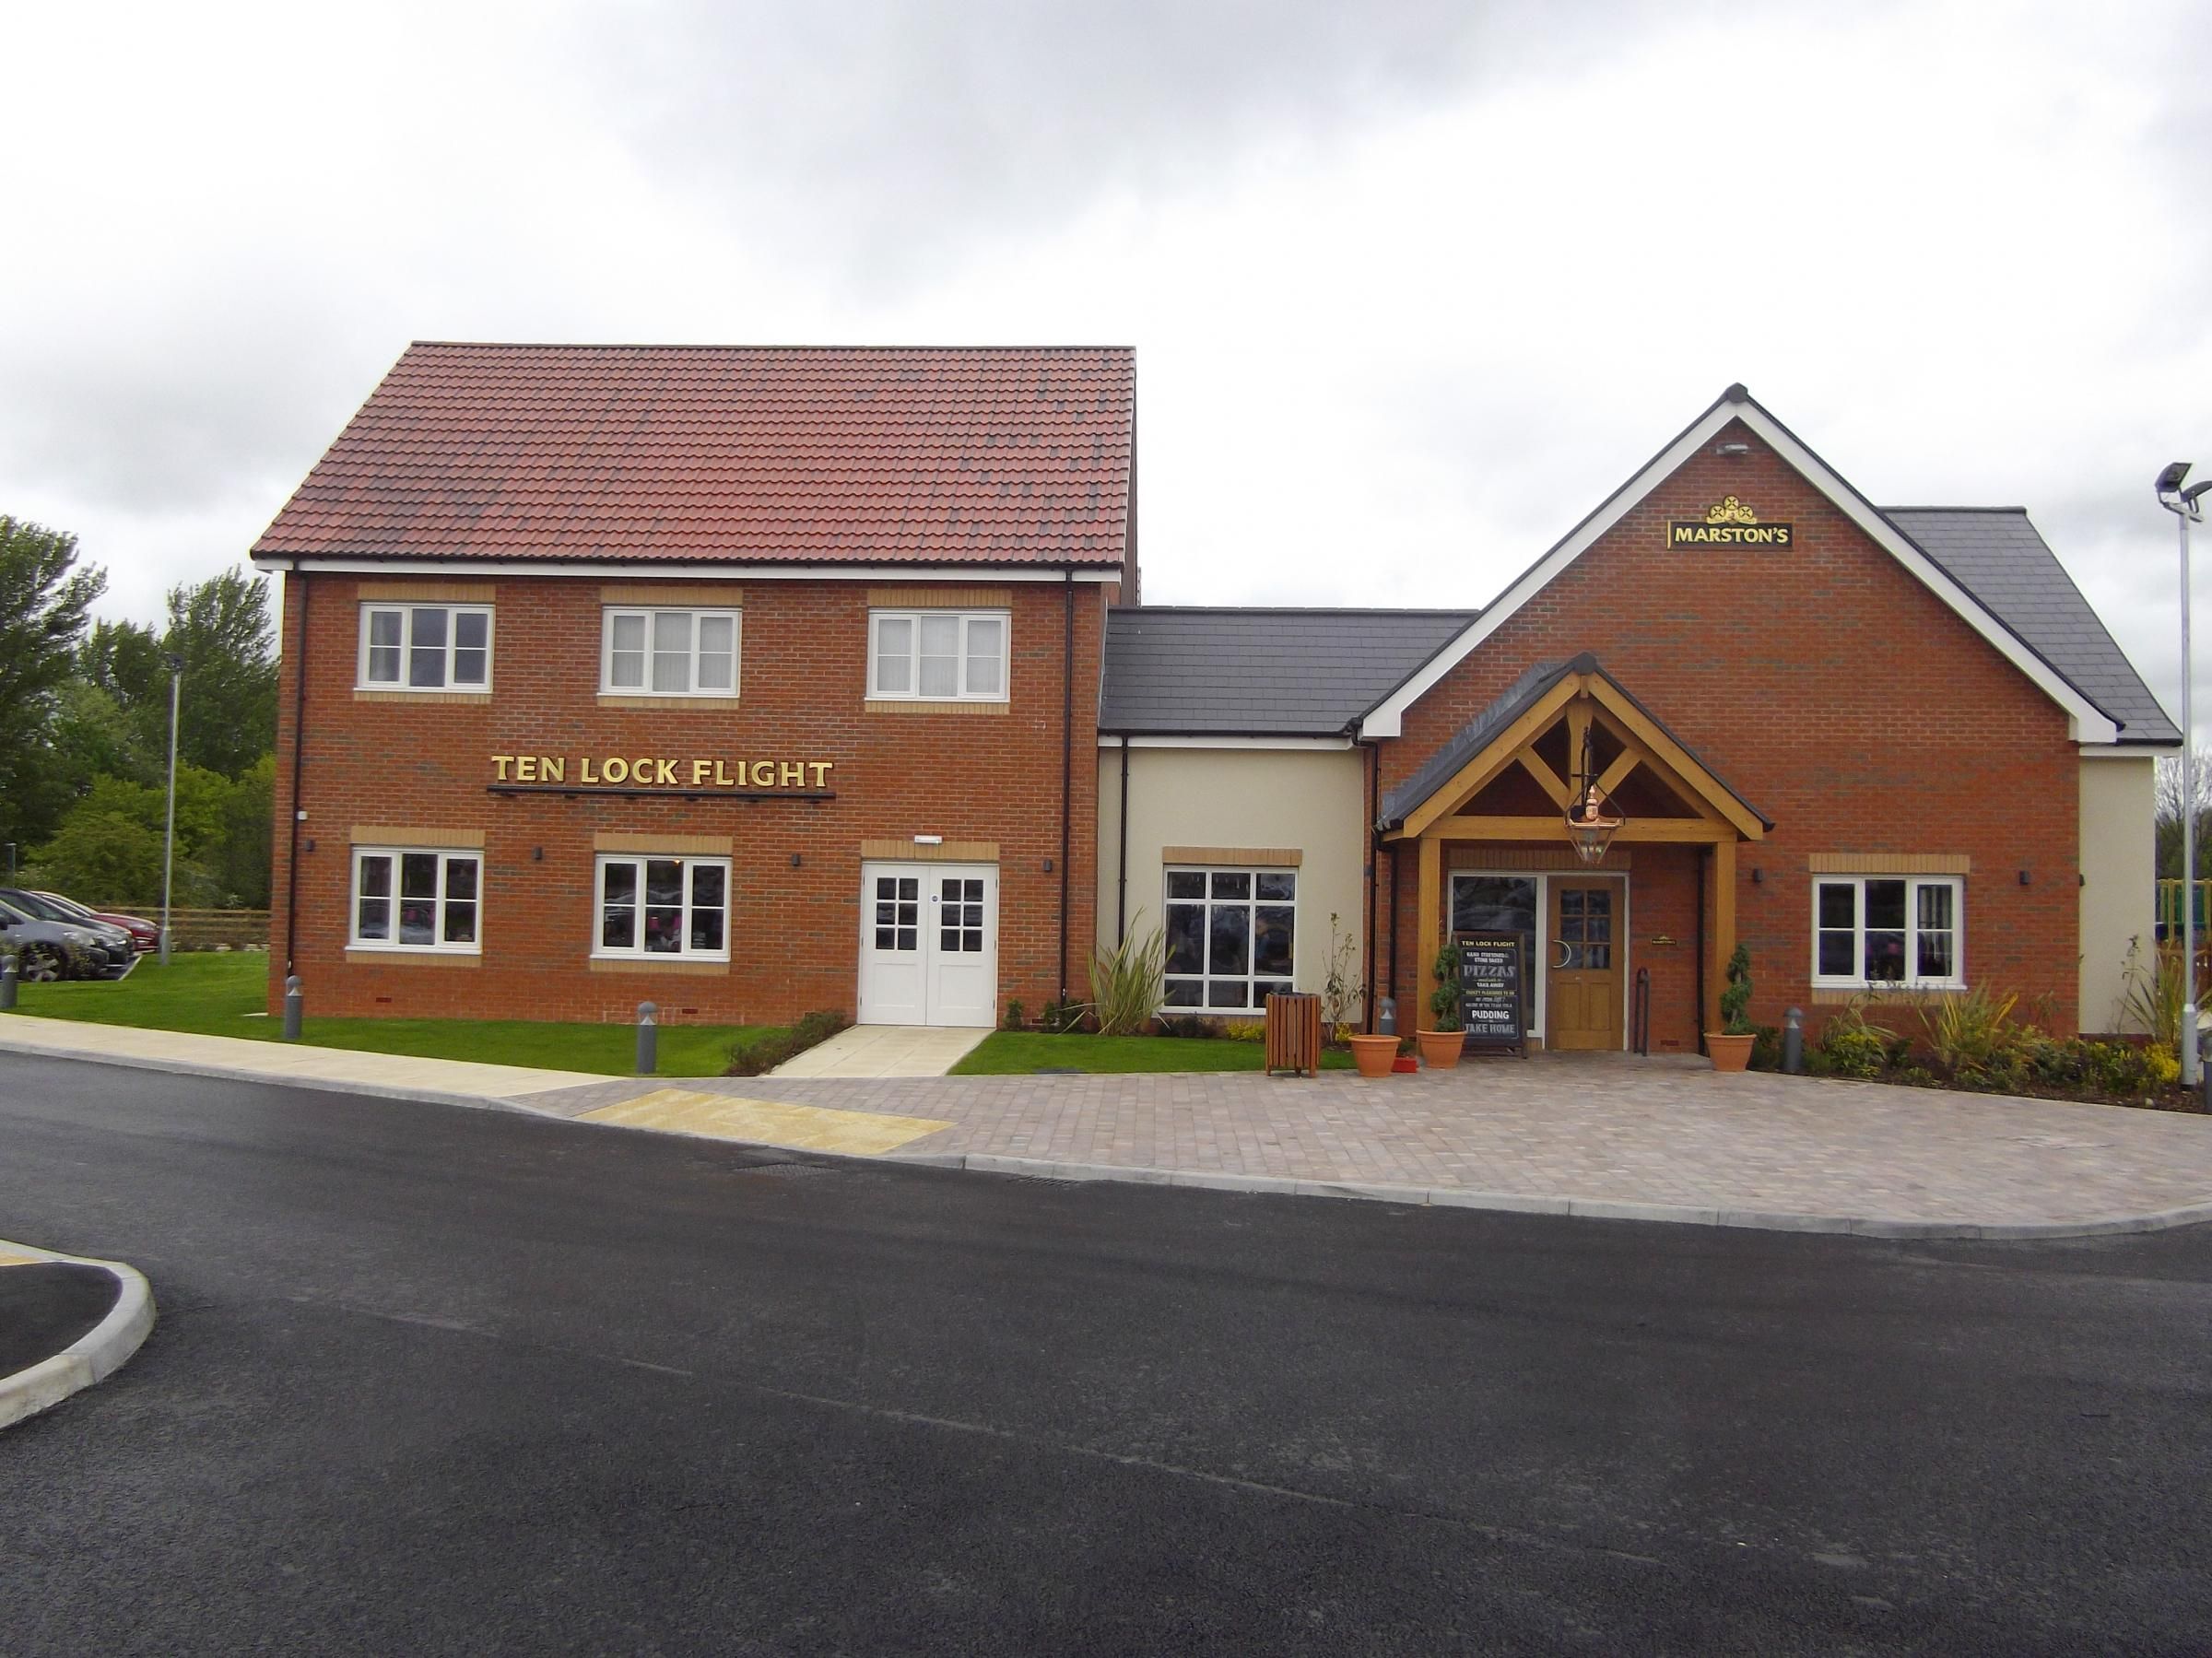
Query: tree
[[101, 858], [240, 863], [2169, 831], [220, 628], [42, 609]]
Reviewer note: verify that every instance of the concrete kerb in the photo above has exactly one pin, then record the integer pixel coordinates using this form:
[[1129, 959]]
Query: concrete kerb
[[94, 1356], [1453, 1197]]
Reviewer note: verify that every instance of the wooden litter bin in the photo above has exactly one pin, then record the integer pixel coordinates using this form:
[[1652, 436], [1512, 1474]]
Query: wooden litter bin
[[1294, 1033]]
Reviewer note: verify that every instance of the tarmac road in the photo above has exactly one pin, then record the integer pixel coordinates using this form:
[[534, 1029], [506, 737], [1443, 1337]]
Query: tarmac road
[[429, 1379]]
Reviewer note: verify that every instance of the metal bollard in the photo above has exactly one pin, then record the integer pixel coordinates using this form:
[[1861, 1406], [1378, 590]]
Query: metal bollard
[[649, 1039], [294, 1000], [7, 984], [1792, 1041]]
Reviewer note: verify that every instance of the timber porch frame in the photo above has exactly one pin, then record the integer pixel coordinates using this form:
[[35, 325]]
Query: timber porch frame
[[1430, 808]]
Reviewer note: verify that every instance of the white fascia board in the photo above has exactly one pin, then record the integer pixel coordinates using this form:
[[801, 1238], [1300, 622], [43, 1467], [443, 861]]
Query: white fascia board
[[674, 571], [1294, 745], [2128, 751], [2087, 722]]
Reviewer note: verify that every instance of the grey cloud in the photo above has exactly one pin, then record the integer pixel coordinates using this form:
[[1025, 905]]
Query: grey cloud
[[876, 139]]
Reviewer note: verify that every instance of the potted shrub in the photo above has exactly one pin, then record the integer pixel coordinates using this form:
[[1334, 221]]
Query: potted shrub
[[1441, 1042], [1731, 1045]]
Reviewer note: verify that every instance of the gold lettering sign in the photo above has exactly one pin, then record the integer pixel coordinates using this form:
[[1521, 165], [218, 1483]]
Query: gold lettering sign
[[657, 774], [1727, 522]]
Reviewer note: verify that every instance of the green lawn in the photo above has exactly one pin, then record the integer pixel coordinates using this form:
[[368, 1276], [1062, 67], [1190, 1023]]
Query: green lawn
[[221, 995], [1025, 1052]]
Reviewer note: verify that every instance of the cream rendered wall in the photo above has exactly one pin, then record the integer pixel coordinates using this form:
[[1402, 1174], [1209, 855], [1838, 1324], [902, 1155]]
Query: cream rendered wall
[[2118, 870], [1313, 800]]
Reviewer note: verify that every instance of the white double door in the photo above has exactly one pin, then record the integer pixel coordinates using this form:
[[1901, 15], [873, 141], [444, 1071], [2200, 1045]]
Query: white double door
[[929, 944]]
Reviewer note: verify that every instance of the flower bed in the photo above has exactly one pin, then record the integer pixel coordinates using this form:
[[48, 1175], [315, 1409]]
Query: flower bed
[[1978, 1042]]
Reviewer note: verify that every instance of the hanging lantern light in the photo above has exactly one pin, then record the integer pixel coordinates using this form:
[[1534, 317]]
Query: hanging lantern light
[[1592, 819]]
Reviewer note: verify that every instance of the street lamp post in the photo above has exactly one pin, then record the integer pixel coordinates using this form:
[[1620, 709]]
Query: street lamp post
[[2182, 504], [168, 825]]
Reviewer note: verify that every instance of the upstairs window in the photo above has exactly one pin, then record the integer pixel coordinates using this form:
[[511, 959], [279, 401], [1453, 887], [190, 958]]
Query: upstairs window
[[669, 653], [425, 647], [937, 655], [1875, 933]]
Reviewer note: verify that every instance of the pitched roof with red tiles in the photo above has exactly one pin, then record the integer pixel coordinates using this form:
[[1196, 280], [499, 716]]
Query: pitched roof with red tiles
[[980, 456]]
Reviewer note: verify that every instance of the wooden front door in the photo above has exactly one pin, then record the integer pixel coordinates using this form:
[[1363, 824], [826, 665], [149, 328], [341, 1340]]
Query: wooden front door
[[1583, 968]]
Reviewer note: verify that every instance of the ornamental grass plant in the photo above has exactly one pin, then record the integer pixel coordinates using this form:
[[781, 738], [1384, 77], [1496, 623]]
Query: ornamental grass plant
[[1129, 982]]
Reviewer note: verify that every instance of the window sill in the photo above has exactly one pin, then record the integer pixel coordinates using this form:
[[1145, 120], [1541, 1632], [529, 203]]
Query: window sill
[[1842, 995], [689, 967], [646, 699], [362, 693], [934, 705], [412, 955]]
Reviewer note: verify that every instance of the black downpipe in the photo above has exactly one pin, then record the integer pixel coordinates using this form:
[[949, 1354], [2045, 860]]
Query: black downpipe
[[1121, 895], [1068, 758], [291, 878], [1389, 961], [1374, 840], [1700, 961]]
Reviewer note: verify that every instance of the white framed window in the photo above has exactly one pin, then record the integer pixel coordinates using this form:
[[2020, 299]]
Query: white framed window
[[1873, 932], [937, 655], [417, 898], [651, 905], [1231, 936], [661, 652], [425, 648]]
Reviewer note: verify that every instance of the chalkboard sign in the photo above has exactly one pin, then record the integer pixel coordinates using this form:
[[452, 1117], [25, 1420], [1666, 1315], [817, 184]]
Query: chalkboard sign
[[1490, 989]]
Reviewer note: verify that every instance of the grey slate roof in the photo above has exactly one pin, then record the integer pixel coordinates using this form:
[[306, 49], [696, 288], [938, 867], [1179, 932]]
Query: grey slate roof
[[1995, 553], [1172, 670], [1478, 733]]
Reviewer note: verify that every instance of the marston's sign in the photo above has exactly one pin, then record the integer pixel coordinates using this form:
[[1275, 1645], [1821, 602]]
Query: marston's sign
[[1730, 523], [649, 771]]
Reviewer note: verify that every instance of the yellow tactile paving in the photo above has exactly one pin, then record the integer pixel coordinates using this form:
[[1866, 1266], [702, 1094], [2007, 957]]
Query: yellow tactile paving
[[799, 1127]]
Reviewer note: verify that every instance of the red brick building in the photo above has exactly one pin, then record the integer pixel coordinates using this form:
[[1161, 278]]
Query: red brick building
[[696, 675], [755, 681], [1893, 752]]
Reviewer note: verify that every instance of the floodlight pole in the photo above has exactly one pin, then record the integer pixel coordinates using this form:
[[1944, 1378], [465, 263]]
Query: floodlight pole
[[2182, 503], [2188, 1041], [168, 826]]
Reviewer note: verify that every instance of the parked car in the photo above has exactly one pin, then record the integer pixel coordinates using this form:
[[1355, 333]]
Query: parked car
[[145, 934], [49, 950], [110, 937]]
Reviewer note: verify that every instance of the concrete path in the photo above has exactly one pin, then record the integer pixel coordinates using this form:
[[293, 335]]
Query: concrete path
[[458, 1081], [884, 1051]]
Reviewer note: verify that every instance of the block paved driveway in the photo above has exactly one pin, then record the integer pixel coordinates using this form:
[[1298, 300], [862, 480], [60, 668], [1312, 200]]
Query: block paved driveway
[[1598, 1129]]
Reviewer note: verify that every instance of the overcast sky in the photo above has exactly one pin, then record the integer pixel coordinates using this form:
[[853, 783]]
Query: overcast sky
[[1413, 285]]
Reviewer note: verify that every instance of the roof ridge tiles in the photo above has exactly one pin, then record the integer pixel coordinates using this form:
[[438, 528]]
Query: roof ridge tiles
[[726, 346]]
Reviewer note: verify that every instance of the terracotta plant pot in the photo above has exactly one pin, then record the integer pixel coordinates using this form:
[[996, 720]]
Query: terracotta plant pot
[[1372, 1054], [1439, 1049], [1729, 1053]]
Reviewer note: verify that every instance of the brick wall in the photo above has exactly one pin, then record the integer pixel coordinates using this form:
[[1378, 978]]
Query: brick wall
[[1832, 690], [795, 932]]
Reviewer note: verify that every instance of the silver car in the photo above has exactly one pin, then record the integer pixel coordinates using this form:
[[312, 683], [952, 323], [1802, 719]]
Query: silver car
[[116, 941], [48, 949]]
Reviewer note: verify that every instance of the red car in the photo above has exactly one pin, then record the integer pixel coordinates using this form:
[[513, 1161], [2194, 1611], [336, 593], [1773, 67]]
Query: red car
[[145, 934]]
